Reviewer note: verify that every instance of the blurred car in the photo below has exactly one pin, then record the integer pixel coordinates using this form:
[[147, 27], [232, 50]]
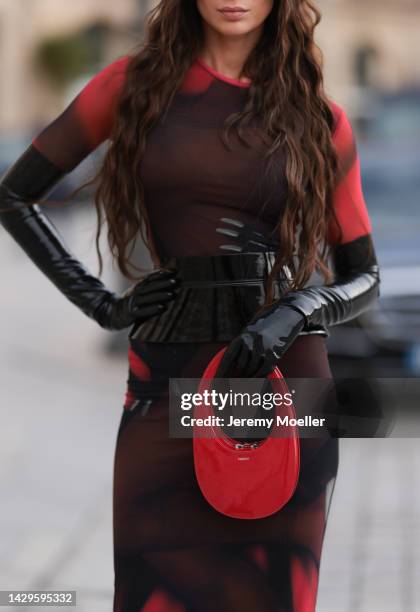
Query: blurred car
[[385, 342]]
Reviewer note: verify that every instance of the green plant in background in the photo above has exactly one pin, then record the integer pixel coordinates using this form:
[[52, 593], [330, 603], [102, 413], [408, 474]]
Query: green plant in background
[[63, 58]]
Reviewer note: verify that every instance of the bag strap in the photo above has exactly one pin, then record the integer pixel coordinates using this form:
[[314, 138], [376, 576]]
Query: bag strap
[[212, 366]]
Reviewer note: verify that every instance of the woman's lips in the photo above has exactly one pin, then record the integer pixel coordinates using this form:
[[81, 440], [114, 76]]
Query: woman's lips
[[233, 13]]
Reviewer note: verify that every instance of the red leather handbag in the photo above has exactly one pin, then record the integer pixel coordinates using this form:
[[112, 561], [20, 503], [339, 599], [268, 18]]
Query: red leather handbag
[[246, 480]]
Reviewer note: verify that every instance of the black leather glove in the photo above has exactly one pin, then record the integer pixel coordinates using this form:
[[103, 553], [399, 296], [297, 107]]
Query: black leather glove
[[257, 350], [30, 179], [144, 300]]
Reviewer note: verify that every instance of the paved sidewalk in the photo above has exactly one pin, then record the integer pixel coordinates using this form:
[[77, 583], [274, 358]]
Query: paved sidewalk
[[60, 403], [371, 557]]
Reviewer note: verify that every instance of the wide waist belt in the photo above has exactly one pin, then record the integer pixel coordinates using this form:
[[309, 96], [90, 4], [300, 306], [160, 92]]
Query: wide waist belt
[[236, 268], [218, 296]]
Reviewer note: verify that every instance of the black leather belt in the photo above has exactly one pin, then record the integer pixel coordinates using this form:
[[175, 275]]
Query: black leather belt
[[241, 268], [218, 296]]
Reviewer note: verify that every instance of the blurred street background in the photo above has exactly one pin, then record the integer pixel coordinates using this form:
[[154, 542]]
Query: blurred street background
[[62, 379]]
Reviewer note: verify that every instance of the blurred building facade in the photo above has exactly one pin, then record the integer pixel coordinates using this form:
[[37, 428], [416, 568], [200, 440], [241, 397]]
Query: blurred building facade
[[367, 45], [26, 97]]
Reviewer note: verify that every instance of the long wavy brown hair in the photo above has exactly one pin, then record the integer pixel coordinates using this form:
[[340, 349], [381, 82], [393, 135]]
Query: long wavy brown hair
[[286, 93]]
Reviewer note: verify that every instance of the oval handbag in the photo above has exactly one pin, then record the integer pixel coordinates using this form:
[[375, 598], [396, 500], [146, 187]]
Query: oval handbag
[[245, 480]]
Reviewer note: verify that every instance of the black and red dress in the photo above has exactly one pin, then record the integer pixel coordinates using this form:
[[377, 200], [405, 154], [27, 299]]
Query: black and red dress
[[173, 551]]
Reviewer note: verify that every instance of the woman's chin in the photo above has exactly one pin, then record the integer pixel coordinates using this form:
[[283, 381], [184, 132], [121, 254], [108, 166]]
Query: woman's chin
[[232, 28]]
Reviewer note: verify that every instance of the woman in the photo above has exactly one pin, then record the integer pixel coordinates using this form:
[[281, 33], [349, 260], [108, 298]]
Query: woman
[[229, 159]]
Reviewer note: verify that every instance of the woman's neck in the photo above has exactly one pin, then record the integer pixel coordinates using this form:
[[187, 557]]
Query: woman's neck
[[227, 56]]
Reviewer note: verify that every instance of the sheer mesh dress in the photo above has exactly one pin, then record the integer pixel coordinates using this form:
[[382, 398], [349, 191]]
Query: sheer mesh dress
[[172, 551]]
